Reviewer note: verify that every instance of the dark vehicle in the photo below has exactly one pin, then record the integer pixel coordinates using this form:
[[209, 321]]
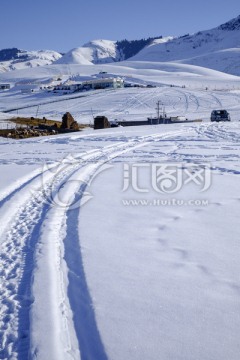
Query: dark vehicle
[[113, 123], [220, 115]]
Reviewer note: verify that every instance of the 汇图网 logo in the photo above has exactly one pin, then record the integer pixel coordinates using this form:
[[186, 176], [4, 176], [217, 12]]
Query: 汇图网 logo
[[167, 178]]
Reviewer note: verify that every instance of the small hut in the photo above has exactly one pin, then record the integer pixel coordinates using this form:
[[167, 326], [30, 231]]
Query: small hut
[[101, 122]]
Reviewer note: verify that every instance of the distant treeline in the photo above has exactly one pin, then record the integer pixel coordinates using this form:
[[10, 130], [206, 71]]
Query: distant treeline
[[129, 48], [11, 54]]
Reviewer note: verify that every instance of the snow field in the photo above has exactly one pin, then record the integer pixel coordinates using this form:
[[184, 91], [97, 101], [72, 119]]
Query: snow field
[[106, 280]]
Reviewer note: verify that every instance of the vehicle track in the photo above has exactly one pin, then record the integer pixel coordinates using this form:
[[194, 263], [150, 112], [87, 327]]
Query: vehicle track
[[16, 259], [17, 249], [219, 103], [217, 132], [19, 243], [79, 297], [62, 99]]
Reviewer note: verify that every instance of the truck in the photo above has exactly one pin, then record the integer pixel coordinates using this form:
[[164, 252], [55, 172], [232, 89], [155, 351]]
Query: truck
[[220, 115]]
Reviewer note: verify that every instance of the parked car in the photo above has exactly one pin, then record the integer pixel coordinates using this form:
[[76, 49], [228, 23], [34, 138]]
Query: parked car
[[113, 123], [220, 115]]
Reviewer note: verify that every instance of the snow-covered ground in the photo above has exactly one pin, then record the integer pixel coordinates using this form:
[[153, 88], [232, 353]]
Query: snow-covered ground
[[217, 48], [29, 59], [186, 90], [122, 243]]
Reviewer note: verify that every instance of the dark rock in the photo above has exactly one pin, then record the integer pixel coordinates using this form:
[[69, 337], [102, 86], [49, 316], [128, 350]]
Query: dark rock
[[68, 122]]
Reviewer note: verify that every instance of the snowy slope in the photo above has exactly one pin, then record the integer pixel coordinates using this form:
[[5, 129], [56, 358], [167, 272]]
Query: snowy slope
[[94, 52], [29, 59], [180, 87], [218, 49], [159, 72]]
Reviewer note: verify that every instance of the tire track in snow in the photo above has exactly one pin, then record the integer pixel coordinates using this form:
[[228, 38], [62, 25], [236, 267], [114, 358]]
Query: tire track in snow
[[217, 131], [16, 266], [89, 339], [11, 191], [222, 131], [23, 183], [17, 253], [87, 333], [219, 103], [16, 261], [50, 102], [195, 100]]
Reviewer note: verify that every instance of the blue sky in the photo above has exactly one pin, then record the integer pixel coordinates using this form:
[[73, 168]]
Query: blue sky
[[64, 24]]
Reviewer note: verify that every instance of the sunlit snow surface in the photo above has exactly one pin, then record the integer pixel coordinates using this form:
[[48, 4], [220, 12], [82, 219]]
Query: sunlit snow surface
[[182, 89], [106, 278]]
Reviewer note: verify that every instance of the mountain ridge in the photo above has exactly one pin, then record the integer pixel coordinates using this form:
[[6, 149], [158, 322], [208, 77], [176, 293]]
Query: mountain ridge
[[16, 59], [217, 48]]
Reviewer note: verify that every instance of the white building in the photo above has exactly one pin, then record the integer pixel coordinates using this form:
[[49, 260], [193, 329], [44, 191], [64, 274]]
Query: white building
[[91, 84], [68, 87], [104, 83], [26, 86]]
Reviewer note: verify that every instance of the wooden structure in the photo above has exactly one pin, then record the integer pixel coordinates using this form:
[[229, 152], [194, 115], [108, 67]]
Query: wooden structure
[[101, 122]]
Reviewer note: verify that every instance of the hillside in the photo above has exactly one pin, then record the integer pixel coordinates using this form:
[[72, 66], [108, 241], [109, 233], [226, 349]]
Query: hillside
[[94, 52], [104, 51], [218, 49], [15, 59]]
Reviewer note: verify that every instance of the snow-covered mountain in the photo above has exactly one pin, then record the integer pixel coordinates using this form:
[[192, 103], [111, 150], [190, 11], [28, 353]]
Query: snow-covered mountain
[[218, 49], [15, 59], [94, 52], [104, 51]]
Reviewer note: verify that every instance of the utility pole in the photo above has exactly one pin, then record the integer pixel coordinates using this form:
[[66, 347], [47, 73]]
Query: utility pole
[[164, 114], [159, 108], [160, 111], [92, 116], [37, 111]]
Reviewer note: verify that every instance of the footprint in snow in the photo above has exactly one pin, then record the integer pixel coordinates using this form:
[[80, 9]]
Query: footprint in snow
[[162, 227], [184, 255], [163, 242]]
